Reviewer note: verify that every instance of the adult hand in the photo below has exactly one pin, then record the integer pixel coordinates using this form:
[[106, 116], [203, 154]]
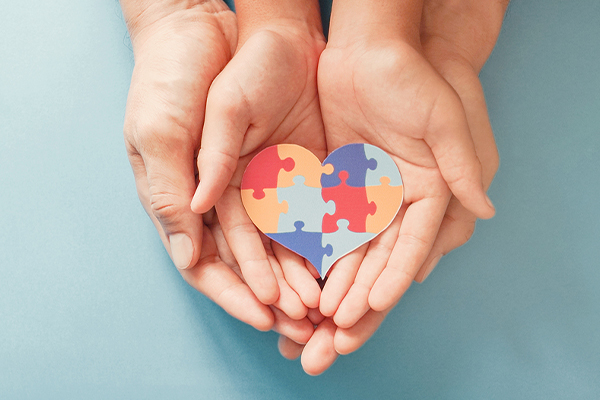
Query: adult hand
[[179, 48], [458, 55], [266, 95]]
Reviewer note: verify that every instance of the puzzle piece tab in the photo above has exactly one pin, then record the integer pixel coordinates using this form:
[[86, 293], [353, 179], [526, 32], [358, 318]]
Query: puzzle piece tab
[[305, 204], [307, 244], [262, 172], [388, 199], [343, 242], [351, 203], [385, 167], [350, 158], [306, 164], [265, 213]]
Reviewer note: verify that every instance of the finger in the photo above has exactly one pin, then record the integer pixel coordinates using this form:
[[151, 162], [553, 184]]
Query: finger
[[218, 282], [456, 229], [319, 353], [315, 316], [356, 302], [288, 348], [247, 246], [289, 302], [298, 276], [417, 234], [459, 224], [299, 331], [450, 140], [225, 124], [351, 339], [165, 178], [340, 280]]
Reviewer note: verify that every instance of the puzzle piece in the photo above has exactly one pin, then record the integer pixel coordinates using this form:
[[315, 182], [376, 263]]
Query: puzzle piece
[[265, 213], [307, 244], [350, 158], [351, 203], [305, 204], [306, 164], [385, 167], [263, 170], [388, 199], [343, 242]]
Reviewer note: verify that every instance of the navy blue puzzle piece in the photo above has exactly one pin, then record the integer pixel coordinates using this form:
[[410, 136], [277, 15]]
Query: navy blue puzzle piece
[[307, 244], [350, 158]]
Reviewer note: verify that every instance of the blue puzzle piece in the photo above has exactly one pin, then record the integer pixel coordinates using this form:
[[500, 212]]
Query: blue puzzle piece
[[307, 244], [385, 167], [305, 204], [343, 241], [349, 158]]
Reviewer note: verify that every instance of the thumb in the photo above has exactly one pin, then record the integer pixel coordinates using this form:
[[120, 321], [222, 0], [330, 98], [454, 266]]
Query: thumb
[[171, 183], [225, 125], [452, 145]]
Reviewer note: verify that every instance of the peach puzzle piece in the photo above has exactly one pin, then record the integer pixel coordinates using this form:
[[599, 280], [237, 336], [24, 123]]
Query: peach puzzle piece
[[265, 221], [388, 199], [305, 164]]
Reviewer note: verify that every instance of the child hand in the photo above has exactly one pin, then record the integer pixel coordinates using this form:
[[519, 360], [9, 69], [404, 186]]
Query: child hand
[[266, 95]]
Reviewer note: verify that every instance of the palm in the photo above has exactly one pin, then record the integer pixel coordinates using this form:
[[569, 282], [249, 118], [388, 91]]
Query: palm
[[390, 97], [266, 95]]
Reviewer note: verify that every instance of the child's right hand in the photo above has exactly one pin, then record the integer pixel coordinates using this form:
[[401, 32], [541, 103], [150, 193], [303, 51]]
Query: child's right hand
[[266, 95]]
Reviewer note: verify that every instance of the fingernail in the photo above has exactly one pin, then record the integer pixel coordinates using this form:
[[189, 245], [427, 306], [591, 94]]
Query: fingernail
[[431, 266], [182, 250], [489, 201], [196, 193]]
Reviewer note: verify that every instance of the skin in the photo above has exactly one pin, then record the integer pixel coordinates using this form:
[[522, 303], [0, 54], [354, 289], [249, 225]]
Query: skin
[[247, 112], [448, 44], [179, 49]]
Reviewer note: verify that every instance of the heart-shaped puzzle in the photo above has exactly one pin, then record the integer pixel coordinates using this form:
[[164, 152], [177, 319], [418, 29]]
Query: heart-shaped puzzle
[[322, 211]]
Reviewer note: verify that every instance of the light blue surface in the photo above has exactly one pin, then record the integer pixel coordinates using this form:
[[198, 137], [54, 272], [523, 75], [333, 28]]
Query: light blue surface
[[91, 307]]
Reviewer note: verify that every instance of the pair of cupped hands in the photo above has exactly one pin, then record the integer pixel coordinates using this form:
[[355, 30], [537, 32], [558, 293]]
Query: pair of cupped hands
[[209, 92]]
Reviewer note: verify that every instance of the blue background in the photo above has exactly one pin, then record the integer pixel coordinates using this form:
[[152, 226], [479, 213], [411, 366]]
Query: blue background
[[91, 306]]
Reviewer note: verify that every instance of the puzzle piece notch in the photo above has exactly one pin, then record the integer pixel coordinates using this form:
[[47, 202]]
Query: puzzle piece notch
[[385, 167], [264, 212], [388, 200], [305, 204], [343, 241], [352, 159], [351, 203], [307, 244], [306, 164], [263, 171]]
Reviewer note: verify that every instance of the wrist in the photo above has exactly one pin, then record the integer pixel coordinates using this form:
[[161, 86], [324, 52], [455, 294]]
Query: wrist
[[355, 21], [300, 16], [142, 15]]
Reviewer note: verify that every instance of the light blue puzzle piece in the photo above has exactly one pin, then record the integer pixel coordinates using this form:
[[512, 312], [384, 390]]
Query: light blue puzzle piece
[[385, 167], [305, 204], [343, 242]]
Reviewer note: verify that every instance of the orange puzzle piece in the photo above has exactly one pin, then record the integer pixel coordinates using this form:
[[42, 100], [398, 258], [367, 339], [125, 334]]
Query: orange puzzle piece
[[388, 199]]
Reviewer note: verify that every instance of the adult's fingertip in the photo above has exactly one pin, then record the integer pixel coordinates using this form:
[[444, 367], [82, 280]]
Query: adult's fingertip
[[288, 348]]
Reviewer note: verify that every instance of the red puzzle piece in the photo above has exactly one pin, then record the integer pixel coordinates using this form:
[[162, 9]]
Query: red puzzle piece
[[263, 170], [351, 203]]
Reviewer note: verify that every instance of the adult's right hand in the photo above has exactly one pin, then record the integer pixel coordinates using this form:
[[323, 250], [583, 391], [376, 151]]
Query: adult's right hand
[[179, 48]]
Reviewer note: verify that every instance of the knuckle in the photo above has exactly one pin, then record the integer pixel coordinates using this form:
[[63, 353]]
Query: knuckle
[[160, 134], [164, 206]]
